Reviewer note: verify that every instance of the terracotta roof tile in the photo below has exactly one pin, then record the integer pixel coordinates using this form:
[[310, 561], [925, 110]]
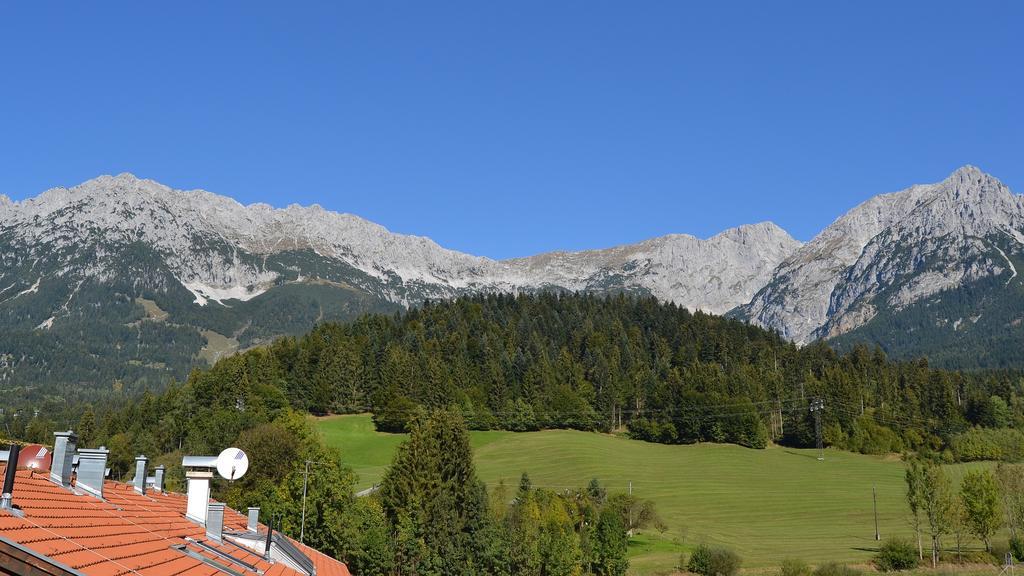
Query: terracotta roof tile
[[129, 533]]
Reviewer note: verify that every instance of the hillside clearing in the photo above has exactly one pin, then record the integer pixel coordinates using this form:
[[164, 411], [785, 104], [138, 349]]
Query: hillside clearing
[[767, 504]]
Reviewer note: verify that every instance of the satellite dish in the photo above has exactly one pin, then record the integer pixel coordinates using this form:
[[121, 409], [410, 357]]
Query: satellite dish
[[232, 464]]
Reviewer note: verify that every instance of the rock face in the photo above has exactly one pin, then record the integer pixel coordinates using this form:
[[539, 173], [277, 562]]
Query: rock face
[[100, 252], [714, 275], [217, 249], [123, 278], [891, 252]]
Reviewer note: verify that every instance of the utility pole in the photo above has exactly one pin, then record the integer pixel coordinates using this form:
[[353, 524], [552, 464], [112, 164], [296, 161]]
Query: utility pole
[[874, 498], [305, 482], [630, 527], [817, 405]]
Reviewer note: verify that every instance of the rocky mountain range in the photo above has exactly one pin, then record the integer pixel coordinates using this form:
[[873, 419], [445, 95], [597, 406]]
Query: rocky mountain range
[[125, 279], [915, 271]]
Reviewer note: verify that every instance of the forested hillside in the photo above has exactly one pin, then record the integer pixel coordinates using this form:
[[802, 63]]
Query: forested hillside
[[591, 363], [622, 364]]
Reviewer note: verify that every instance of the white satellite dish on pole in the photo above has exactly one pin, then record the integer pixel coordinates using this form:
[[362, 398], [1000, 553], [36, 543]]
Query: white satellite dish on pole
[[232, 463]]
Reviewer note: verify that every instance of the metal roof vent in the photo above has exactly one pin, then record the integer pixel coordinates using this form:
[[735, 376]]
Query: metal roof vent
[[158, 478], [215, 520], [92, 467], [254, 519], [64, 444], [140, 474]]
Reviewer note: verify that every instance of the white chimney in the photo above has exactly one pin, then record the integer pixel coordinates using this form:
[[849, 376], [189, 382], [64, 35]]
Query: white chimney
[[198, 472]]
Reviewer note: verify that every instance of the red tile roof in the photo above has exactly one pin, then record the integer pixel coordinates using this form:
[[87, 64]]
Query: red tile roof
[[128, 533]]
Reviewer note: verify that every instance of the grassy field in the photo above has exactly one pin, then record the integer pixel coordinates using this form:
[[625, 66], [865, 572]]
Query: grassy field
[[766, 504]]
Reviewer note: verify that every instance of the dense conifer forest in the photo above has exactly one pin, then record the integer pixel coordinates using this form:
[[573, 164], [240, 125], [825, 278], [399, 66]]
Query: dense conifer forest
[[622, 364]]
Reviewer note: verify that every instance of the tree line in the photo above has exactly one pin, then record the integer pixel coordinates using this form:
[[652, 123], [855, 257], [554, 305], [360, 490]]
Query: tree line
[[986, 501], [663, 373]]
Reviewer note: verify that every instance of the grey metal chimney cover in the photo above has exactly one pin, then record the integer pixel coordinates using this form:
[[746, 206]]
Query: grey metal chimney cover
[[215, 520], [209, 462], [64, 444], [139, 481], [92, 465], [254, 519], [158, 478]]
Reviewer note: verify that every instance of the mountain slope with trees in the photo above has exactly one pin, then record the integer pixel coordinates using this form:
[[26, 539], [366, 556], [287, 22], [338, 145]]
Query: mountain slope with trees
[[594, 363], [125, 282], [80, 268]]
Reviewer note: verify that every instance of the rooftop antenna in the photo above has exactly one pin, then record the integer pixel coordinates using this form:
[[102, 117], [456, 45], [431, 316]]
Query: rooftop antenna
[[232, 464], [817, 405]]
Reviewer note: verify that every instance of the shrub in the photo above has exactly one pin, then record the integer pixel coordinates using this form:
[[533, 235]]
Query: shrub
[[835, 569], [700, 560], [870, 437], [794, 567], [999, 551], [1017, 548], [896, 554], [708, 561], [1005, 444]]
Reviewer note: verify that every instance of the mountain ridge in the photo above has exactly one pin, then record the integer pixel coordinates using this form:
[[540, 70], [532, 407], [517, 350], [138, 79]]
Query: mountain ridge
[[370, 247], [77, 263]]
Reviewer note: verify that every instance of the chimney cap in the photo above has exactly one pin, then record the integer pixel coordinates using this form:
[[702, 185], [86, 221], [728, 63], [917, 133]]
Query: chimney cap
[[199, 462]]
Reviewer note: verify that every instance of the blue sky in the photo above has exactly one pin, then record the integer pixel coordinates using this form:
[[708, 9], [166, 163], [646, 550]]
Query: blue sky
[[506, 129]]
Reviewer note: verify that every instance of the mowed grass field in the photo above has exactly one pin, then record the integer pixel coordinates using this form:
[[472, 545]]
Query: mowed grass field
[[766, 504]]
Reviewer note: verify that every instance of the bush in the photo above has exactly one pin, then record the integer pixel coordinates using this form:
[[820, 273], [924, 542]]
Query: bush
[[896, 554], [1005, 444], [835, 569], [700, 561], [999, 551], [1017, 548], [794, 567], [870, 437], [708, 561]]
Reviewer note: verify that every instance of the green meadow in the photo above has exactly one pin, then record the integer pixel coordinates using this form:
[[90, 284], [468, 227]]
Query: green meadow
[[766, 504]]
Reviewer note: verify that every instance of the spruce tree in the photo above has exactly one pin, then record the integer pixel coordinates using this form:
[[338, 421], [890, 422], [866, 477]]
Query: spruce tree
[[432, 481], [609, 545]]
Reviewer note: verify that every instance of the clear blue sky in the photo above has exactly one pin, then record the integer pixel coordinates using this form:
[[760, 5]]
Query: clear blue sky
[[510, 128]]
